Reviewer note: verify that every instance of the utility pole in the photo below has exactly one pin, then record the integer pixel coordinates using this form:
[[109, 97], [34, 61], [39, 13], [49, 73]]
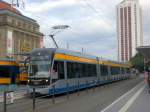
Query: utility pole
[[82, 50], [18, 3]]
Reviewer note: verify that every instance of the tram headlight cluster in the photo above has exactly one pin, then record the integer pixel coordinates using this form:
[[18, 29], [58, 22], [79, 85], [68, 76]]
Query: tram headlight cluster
[[46, 80]]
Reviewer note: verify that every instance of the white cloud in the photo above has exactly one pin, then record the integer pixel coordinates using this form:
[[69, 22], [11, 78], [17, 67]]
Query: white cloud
[[87, 27], [39, 7], [93, 23]]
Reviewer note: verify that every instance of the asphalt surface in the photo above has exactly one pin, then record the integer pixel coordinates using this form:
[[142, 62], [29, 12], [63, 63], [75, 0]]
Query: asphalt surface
[[91, 100]]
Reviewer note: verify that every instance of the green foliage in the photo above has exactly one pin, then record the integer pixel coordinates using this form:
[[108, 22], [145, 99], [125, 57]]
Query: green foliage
[[138, 62]]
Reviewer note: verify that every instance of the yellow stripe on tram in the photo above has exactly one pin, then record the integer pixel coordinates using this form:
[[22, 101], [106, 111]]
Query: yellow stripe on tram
[[73, 58], [8, 63], [5, 80]]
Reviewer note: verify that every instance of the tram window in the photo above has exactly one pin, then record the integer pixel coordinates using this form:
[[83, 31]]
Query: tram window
[[5, 72], [86, 70], [104, 70], [77, 70], [83, 70], [115, 70], [55, 66], [11, 72], [94, 70], [61, 70], [70, 70], [89, 70]]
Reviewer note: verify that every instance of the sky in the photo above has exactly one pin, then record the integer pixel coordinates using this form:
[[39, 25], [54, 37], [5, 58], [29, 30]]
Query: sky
[[92, 24]]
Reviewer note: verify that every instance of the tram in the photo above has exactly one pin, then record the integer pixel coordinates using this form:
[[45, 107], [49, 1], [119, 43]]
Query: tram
[[22, 77], [9, 70], [67, 70]]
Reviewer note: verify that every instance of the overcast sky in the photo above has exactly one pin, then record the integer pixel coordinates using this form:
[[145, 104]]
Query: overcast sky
[[92, 22]]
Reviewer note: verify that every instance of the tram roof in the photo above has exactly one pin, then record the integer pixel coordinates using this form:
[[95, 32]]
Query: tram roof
[[72, 53], [75, 53]]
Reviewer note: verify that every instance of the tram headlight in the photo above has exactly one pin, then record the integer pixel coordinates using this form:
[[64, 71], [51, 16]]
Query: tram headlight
[[46, 80], [28, 81]]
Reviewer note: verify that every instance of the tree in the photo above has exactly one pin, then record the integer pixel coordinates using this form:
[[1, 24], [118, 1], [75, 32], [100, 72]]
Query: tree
[[138, 62]]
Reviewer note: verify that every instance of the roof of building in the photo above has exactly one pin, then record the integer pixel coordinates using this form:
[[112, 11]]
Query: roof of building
[[7, 6]]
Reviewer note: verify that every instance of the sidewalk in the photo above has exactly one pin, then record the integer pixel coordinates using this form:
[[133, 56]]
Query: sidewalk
[[19, 91], [142, 103], [136, 100]]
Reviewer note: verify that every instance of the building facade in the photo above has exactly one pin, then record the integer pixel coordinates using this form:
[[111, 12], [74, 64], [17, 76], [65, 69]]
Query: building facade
[[18, 33], [129, 29]]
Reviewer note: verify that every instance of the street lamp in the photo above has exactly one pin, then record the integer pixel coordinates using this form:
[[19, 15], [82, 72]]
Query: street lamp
[[55, 30]]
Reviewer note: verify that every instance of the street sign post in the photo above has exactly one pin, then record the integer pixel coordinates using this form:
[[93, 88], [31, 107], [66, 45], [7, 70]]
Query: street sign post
[[8, 99]]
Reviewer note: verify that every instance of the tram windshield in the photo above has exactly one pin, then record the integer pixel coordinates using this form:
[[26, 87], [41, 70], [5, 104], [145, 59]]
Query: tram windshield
[[39, 67], [5, 72]]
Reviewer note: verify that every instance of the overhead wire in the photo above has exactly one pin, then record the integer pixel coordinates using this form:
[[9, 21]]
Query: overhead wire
[[97, 13]]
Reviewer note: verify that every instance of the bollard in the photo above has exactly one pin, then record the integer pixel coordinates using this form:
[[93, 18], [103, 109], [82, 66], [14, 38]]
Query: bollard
[[53, 97], [78, 88], [67, 85], [33, 99], [5, 105]]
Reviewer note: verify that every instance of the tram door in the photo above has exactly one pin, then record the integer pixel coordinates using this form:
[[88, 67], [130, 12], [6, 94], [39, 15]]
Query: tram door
[[58, 71]]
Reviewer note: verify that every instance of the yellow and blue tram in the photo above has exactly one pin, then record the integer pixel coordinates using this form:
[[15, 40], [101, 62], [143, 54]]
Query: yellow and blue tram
[[9, 70], [52, 67], [12, 72]]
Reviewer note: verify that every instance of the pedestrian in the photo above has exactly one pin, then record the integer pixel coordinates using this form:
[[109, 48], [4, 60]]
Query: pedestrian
[[148, 79]]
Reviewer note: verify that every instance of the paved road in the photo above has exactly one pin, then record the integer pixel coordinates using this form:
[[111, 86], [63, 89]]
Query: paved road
[[93, 100]]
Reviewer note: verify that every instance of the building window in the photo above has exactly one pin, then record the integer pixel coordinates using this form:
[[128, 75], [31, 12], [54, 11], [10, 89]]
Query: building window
[[9, 20], [29, 26], [13, 22], [1, 18], [19, 23], [24, 25]]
